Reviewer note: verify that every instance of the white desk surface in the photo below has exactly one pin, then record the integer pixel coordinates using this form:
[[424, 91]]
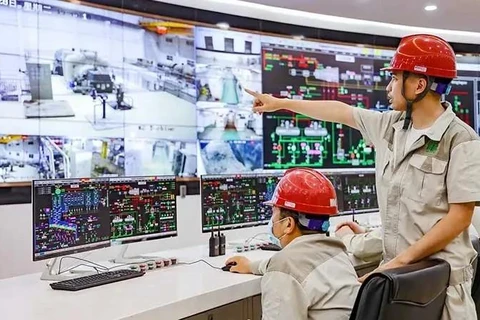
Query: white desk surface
[[170, 293]]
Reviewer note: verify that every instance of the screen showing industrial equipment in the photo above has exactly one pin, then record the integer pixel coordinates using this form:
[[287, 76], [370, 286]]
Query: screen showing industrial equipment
[[69, 70], [302, 70], [69, 216], [236, 201], [144, 157], [26, 158], [142, 208], [95, 92], [227, 62]]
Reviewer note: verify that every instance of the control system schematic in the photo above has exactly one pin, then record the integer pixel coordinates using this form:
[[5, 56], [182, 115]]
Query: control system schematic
[[266, 184], [70, 213], [142, 206], [359, 193], [462, 99], [235, 201], [292, 140]]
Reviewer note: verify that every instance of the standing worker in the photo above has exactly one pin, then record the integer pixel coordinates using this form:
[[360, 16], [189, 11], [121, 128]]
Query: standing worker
[[427, 163], [312, 277]]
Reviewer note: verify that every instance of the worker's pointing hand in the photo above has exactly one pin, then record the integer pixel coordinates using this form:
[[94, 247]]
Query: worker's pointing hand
[[264, 102]]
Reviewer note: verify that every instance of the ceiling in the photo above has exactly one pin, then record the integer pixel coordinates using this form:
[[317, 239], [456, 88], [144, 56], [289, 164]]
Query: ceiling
[[451, 14]]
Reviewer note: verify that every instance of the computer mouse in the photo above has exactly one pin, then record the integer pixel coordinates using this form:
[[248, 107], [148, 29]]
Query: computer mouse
[[228, 266]]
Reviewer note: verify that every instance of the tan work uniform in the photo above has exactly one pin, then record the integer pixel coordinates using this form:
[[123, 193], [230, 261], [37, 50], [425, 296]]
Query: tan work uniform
[[416, 186], [366, 246], [311, 278]]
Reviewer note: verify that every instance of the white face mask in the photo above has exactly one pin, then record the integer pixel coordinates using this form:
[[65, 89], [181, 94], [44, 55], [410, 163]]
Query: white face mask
[[273, 238]]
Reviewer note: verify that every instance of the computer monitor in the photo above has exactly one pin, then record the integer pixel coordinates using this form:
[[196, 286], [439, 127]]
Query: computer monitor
[[142, 208], [337, 181], [69, 216], [359, 193], [236, 201]]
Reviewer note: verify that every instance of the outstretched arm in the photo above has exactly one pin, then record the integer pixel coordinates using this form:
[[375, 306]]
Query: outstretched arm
[[326, 110]]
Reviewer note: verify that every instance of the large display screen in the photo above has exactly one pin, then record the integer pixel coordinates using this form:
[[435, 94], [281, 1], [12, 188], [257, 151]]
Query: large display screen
[[90, 92], [229, 133], [304, 70], [87, 92]]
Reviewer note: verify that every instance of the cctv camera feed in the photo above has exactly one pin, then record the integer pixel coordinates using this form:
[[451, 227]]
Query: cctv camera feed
[[74, 70], [160, 157], [319, 71], [229, 133], [23, 157], [219, 157]]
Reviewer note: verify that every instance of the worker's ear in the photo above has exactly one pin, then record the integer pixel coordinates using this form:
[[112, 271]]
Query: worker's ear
[[290, 228]]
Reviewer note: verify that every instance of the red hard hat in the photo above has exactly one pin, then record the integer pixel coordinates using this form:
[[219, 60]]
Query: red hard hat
[[425, 54], [305, 191]]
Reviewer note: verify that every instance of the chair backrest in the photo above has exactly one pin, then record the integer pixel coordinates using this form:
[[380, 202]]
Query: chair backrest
[[476, 279], [416, 291]]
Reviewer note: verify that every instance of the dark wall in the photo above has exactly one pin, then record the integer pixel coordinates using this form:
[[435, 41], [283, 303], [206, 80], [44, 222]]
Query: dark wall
[[210, 17]]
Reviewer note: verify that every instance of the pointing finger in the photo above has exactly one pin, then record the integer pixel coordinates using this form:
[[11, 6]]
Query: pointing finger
[[253, 93], [258, 109]]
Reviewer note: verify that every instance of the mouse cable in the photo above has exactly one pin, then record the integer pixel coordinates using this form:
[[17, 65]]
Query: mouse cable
[[92, 264], [194, 262]]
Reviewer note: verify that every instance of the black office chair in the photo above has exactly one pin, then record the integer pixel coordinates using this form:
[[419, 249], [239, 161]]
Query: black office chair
[[416, 291], [476, 279]]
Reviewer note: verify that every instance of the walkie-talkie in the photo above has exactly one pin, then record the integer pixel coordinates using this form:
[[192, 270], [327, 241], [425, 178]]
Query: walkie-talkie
[[214, 244], [222, 240]]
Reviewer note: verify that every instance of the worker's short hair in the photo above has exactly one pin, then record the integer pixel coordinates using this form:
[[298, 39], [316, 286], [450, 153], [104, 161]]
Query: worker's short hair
[[286, 213]]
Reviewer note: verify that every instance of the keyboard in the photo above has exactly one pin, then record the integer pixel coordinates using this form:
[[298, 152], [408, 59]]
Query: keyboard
[[96, 280]]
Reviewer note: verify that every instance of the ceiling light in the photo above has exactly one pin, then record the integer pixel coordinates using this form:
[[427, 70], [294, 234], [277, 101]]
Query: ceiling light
[[431, 7], [298, 37], [223, 25]]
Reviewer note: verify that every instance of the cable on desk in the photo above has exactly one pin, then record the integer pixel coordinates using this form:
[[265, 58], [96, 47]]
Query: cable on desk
[[130, 264], [198, 261], [80, 265], [93, 265], [248, 240], [99, 268]]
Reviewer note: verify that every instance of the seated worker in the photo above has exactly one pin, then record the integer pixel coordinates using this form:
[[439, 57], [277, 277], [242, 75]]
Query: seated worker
[[363, 244], [312, 276]]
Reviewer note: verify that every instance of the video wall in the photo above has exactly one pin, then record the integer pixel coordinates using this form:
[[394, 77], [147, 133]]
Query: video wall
[[88, 92]]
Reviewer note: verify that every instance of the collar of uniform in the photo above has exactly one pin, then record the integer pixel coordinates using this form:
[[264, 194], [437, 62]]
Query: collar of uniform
[[307, 238], [440, 125]]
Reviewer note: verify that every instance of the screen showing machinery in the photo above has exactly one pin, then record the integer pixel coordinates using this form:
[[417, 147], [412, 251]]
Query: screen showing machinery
[[236, 201], [320, 72], [359, 193], [69, 216], [142, 208], [90, 78]]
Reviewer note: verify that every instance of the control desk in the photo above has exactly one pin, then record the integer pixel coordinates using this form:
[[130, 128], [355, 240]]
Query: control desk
[[190, 291]]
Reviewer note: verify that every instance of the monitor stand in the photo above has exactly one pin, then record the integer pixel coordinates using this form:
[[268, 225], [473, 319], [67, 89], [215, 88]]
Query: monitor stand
[[50, 273]]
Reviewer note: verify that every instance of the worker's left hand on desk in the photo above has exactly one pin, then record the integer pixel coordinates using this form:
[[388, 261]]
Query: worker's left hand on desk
[[392, 264], [242, 264]]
